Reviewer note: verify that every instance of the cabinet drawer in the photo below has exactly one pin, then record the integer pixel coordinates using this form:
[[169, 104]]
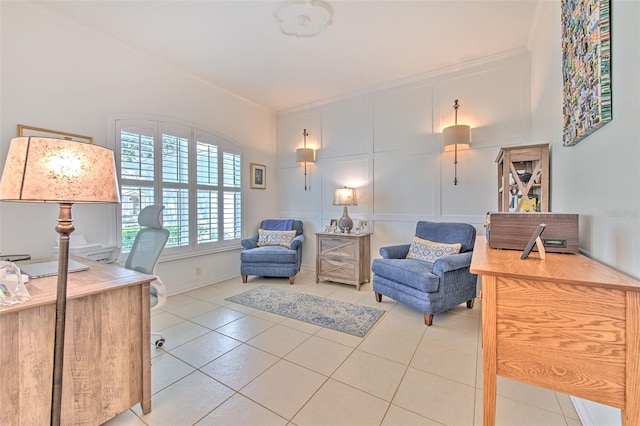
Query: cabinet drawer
[[342, 270], [344, 248]]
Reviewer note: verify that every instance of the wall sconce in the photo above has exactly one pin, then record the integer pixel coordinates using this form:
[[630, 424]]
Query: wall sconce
[[345, 197], [454, 136], [305, 155]]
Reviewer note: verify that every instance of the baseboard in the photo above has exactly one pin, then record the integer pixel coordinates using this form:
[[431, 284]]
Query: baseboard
[[177, 289], [594, 414]]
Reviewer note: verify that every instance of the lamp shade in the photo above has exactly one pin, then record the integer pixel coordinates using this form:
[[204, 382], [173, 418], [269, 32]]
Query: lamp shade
[[57, 171], [345, 197], [459, 134], [305, 155]]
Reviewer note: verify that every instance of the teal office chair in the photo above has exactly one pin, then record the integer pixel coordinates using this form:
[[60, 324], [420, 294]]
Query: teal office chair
[[145, 252]]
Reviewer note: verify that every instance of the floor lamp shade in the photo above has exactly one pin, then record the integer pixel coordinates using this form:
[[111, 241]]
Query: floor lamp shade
[[59, 170], [65, 172]]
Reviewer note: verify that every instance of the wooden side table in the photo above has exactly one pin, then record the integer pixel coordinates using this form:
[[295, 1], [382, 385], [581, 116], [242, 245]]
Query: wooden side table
[[343, 258]]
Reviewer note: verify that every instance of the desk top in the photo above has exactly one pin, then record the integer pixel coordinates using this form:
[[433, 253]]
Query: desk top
[[98, 278], [559, 267]]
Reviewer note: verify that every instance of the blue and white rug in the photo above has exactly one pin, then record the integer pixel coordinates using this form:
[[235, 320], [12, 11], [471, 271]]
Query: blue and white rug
[[341, 316]]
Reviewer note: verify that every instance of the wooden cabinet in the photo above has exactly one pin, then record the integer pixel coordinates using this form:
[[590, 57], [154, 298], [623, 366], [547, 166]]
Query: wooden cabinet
[[523, 178], [343, 258]]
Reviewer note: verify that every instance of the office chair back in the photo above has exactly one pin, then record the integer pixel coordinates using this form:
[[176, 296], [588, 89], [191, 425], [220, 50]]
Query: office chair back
[[148, 246]]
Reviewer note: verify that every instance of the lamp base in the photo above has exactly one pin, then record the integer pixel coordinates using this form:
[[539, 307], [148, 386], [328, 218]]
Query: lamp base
[[345, 224]]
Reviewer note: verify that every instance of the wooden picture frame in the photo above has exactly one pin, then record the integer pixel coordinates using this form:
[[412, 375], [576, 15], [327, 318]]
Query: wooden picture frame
[[258, 176], [24, 130], [586, 68], [535, 240]]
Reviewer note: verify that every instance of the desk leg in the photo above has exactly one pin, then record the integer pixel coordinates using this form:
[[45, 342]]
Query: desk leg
[[631, 412], [145, 402], [489, 355]]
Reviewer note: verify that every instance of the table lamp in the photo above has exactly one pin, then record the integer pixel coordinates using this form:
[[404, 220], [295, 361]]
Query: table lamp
[[65, 172], [345, 197]]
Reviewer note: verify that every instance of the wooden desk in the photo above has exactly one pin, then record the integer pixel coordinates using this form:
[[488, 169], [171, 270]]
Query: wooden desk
[[107, 363], [566, 323]]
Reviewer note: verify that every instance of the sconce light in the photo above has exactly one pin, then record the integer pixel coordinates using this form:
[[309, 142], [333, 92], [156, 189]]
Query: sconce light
[[305, 155], [454, 136], [345, 197]]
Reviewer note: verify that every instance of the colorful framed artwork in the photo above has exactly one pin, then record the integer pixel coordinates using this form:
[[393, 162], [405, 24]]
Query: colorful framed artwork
[[258, 176], [586, 68]]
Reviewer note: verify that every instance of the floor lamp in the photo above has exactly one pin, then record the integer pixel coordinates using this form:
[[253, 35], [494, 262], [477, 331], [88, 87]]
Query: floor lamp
[[65, 172]]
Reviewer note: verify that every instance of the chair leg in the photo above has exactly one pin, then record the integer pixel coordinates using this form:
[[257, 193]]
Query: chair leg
[[470, 303], [244, 279], [291, 280], [378, 297], [428, 319]]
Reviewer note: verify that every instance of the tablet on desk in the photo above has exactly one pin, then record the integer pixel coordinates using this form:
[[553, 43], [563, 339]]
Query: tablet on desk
[[46, 269]]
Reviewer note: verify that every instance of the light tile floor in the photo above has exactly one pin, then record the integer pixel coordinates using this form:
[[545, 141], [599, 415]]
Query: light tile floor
[[227, 364]]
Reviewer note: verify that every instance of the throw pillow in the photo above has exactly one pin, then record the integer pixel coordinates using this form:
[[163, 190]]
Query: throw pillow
[[431, 251], [275, 238]]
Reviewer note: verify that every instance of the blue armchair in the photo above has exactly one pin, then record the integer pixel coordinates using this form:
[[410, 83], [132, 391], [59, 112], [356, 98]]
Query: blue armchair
[[430, 287], [272, 260]]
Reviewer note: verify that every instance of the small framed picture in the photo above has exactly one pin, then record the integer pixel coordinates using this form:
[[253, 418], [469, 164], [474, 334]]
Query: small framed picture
[[533, 240], [258, 176], [362, 226], [334, 223]]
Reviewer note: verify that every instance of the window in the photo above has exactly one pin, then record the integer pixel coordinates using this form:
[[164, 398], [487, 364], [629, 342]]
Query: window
[[195, 174]]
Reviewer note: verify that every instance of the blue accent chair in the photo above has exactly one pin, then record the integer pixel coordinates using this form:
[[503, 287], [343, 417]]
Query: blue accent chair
[[272, 261], [431, 288]]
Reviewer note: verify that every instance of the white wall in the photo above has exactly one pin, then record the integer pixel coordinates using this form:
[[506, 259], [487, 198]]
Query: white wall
[[58, 75], [598, 177], [387, 144]]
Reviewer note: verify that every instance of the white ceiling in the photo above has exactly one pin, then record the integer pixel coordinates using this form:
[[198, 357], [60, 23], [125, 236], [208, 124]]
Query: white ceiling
[[236, 45]]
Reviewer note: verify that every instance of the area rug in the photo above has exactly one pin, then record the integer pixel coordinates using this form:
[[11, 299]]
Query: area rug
[[341, 316]]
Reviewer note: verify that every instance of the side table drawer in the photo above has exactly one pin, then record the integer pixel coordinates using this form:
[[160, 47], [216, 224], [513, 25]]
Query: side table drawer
[[346, 248], [339, 269]]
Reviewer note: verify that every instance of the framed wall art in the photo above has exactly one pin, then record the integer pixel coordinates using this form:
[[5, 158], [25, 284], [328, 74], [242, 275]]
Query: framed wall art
[[258, 176], [586, 68], [48, 133]]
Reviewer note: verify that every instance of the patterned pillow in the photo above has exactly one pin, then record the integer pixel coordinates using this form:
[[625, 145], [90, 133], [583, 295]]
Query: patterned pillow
[[275, 238], [431, 251]]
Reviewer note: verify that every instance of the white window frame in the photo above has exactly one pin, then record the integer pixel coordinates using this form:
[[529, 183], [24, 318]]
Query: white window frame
[[194, 134]]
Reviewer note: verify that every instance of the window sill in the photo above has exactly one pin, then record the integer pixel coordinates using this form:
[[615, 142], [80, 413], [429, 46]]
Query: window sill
[[186, 255]]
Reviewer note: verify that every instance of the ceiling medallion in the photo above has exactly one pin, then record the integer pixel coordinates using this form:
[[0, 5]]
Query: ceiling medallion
[[304, 18]]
